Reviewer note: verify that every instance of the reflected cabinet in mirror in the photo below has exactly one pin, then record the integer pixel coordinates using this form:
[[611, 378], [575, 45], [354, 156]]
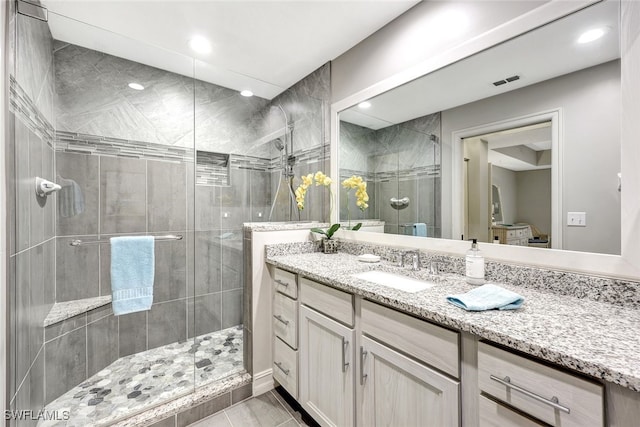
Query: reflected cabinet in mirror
[[519, 143]]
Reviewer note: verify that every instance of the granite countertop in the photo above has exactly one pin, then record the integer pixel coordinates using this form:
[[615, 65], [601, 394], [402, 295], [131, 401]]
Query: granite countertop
[[594, 338]]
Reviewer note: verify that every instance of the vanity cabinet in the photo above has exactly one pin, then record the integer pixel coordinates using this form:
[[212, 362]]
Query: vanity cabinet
[[399, 391], [399, 362], [327, 336], [326, 369], [353, 362], [550, 395], [285, 330]]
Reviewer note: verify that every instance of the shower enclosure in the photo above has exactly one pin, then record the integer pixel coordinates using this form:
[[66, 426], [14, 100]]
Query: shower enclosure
[[401, 164], [138, 149]]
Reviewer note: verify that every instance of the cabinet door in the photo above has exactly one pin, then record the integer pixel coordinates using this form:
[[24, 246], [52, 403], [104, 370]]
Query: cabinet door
[[398, 391], [326, 369]]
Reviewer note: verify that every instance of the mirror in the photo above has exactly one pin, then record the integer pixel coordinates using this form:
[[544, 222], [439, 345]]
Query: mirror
[[409, 142]]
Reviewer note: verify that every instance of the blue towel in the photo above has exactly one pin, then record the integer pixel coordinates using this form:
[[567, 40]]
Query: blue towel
[[132, 270], [420, 229], [487, 297]]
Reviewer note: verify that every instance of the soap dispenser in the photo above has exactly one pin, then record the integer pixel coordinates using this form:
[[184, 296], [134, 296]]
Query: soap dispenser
[[474, 265]]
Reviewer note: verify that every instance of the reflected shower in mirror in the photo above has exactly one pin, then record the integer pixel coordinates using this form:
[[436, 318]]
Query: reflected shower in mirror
[[412, 141]]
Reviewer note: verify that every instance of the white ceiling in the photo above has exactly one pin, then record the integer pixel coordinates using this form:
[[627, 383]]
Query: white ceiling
[[532, 138], [544, 53], [264, 46]]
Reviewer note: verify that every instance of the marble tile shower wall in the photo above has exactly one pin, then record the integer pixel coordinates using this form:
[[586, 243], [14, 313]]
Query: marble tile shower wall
[[398, 161], [31, 228], [307, 107]]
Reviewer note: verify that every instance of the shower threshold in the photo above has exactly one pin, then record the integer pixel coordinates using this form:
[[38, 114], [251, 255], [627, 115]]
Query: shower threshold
[[143, 380]]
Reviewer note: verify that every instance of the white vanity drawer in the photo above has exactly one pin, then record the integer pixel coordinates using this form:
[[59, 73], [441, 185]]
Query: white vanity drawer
[[493, 414], [327, 300], [531, 387], [285, 282], [285, 367], [285, 319], [512, 234], [429, 343]]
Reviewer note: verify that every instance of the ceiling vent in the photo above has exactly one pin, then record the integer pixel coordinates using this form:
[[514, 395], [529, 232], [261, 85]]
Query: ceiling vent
[[506, 80]]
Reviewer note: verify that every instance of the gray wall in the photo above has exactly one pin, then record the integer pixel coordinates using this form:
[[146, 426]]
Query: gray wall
[[31, 229], [505, 179], [534, 198], [590, 102], [393, 49]]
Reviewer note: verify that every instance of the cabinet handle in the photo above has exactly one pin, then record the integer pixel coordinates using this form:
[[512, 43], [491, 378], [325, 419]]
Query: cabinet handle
[[551, 402], [279, 365], [363, 354], [279, 318], [280, 282], [345, 364]]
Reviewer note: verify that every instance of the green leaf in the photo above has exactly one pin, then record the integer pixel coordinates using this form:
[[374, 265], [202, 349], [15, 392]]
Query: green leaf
[[319, 231], [357, 226], [332, 230]]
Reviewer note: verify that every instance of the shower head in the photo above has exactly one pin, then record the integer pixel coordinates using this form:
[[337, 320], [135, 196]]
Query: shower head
[[279, 144]]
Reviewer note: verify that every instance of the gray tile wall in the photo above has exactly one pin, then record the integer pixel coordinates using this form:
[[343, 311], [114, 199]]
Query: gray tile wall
[[398, 161], [31, 243]]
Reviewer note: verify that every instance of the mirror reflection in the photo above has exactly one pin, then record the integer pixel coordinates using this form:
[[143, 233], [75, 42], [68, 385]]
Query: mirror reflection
[[519, 142]]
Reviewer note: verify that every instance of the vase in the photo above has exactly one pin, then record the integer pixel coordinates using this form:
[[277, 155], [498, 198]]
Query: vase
[[329, 246]]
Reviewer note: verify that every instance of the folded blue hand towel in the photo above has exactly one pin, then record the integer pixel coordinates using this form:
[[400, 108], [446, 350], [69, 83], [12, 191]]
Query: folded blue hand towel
[[487, 297], [132, 270], [420, 229]]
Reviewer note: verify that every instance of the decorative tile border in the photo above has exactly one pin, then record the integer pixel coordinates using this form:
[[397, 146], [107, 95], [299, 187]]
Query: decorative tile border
[[432, 171], [72, 142], [25, 109]]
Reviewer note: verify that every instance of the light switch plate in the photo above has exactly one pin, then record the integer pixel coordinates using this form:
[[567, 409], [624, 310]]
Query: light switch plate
[[577, 219]]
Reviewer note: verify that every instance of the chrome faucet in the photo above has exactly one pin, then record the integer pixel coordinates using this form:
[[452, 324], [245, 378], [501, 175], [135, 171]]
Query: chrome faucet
[[415, 258], [434, 266]]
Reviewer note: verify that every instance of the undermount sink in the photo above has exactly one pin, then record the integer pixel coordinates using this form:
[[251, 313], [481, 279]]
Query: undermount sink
[[395, 281]]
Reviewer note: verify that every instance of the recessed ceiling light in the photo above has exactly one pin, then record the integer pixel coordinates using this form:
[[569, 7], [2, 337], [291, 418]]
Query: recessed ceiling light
[[246, 93], [364, 105], [136, 86], [200, 45], [592, 35]]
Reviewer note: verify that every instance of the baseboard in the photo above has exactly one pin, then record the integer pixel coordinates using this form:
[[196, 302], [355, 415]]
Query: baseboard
[[262, 382]]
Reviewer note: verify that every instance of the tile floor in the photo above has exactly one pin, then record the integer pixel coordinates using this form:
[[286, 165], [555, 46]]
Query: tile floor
[[142, 380], [267, 410]]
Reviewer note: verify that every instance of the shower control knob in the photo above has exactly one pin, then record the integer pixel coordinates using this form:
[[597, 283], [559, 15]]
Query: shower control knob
[[44, 187]]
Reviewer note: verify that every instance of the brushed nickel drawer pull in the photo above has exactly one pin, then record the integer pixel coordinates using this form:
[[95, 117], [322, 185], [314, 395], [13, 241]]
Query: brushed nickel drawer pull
[[363, 354], [551, 402], [345, 364], [279, 318], [285, 371], [280, 282]]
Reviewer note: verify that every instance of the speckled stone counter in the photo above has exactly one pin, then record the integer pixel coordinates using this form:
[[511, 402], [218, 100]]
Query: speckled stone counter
[[592, 337]]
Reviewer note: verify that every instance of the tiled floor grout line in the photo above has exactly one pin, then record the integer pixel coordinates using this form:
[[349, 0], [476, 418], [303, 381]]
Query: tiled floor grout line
[[275, 395], [229, 418]]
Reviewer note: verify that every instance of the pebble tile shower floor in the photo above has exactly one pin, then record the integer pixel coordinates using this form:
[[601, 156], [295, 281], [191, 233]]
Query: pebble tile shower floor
[[143, 380]]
